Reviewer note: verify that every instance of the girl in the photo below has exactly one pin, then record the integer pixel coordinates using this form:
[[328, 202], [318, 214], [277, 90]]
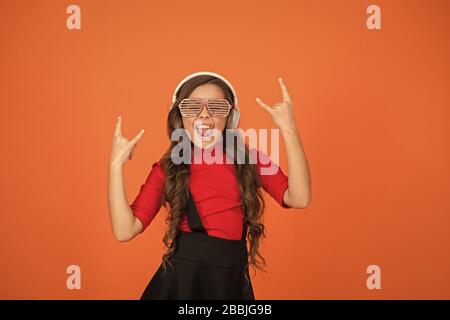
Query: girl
[[212, 207]]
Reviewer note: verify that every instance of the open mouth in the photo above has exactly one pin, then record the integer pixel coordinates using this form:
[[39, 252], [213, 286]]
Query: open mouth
[[204, 130]]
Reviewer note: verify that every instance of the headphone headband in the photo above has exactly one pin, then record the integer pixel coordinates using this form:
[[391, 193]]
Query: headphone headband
[[192, 75], [235, 113]]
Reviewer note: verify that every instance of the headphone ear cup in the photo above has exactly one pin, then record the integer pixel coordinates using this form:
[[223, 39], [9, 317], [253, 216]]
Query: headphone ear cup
[[235, 115]]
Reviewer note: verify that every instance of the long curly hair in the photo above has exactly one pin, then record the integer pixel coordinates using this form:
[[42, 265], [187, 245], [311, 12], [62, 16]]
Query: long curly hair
[[176, 183]]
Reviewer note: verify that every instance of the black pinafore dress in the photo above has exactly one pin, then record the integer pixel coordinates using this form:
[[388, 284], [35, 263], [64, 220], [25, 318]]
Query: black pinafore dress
[[204, 267]]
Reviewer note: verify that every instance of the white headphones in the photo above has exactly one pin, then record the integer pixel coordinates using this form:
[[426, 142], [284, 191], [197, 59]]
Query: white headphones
[[234, 112]]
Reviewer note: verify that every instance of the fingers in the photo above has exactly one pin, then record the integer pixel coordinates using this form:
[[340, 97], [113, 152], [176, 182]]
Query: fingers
[[286, 96], [265, 106], [137, 137], [118, 130]]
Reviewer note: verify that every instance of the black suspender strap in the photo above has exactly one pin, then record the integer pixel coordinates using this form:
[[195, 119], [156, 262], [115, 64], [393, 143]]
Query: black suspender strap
[[195, 223]]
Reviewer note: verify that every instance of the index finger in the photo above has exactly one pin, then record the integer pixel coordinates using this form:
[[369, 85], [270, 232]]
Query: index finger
[[118, 131], [286, 96]]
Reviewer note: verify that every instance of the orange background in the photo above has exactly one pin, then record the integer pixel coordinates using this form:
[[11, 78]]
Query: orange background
[[372, 108]]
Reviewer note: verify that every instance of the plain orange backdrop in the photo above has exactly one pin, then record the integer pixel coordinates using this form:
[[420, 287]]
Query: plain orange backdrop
[[372, 108]]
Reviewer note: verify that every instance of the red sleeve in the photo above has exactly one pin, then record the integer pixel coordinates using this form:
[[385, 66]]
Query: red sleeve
[[148, 201], [272, 180]]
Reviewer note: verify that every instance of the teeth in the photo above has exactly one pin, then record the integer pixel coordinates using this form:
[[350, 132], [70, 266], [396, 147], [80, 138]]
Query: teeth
[[203, 126]]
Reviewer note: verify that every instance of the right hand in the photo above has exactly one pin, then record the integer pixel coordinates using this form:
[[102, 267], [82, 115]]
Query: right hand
[[122, 148]]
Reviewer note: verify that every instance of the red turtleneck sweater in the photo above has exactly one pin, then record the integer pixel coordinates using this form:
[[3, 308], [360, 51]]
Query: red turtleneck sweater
[[215, 191]]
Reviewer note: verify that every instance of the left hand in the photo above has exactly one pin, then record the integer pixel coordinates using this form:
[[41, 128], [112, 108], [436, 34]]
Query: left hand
[[282, 113]]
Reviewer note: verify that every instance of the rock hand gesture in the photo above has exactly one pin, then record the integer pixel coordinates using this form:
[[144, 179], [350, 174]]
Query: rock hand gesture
[[282, 113], [122, 148], [298, 193]]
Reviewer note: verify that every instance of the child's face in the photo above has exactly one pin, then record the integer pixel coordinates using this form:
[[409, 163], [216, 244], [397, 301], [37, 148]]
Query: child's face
[[210, 91]]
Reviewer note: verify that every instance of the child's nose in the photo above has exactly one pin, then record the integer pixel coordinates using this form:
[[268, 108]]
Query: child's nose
[[204, 112]]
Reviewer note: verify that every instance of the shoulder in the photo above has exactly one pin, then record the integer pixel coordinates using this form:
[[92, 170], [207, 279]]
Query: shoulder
[[156, 172], [256, 155], [157, 166], [261, 159]]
